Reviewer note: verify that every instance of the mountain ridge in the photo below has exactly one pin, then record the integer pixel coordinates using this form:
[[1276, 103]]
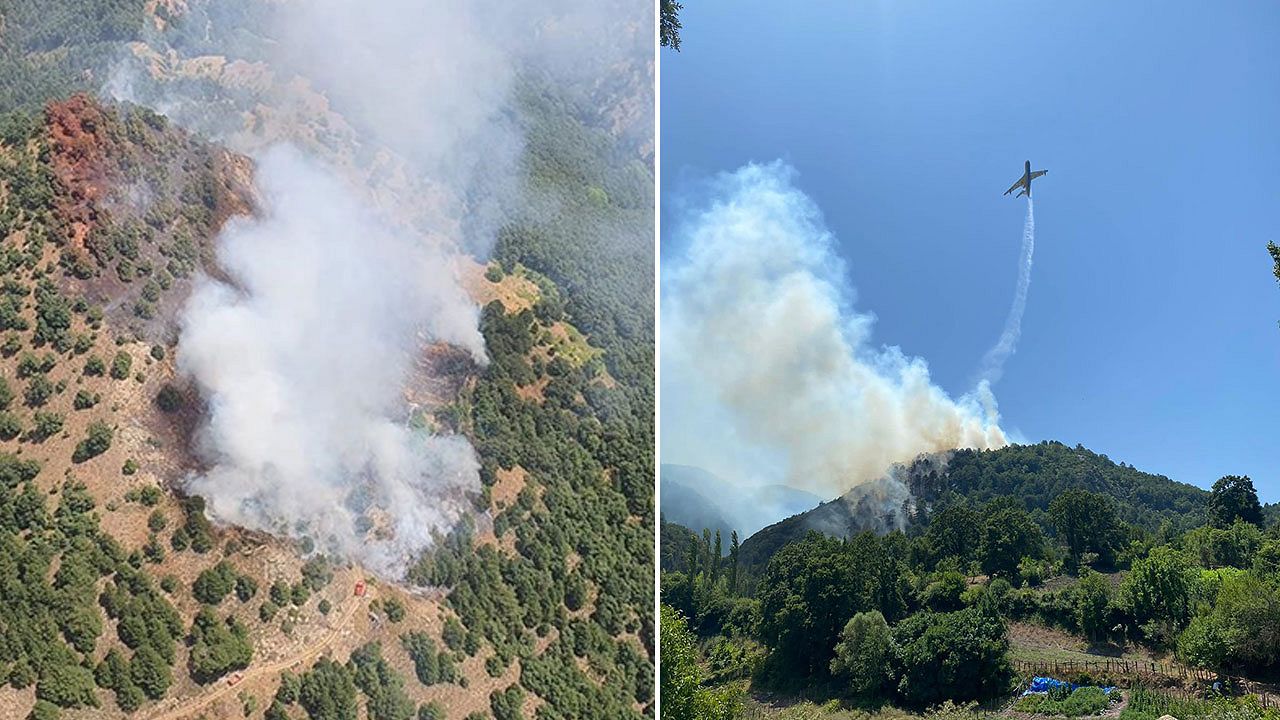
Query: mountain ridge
[[911, 492]]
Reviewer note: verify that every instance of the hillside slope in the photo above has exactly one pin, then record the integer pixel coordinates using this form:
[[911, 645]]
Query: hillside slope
[[1031, 474]]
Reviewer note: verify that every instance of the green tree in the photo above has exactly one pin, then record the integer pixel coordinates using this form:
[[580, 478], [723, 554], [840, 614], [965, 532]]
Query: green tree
[[66, 685], [955, 532], [1158, 593], [1204, 643], [328, 692], [1234, 498], [217, 647], [864, 654], [1244, 623], [97, 441], [959, 656], [1274, 250], [1093, 604], [1009, 534], [680, 677], [150, 672], [1086, 522], [1266, 562], [811, 587], [733, 562], [214, 584], [669, 26]]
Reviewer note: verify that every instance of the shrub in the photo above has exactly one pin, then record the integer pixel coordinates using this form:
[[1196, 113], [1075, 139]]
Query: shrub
[[246, 588], [863, 653], [10, 425], [394, 609], [39, 390], [85, 399], [951, 656], [12, 344], [121, 365], [94, 366], [1079, 703], [267, 611], [96, 442], [149, 495], [169, 399], [47, 424], [214, 584]]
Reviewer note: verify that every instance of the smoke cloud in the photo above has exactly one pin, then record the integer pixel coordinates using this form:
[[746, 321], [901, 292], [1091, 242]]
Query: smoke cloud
[[993, 361], [302, 361], [769, 373], [387, 139]]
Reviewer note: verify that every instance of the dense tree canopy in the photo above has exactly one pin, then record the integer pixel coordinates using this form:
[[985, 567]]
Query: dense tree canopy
[[1234, 498]]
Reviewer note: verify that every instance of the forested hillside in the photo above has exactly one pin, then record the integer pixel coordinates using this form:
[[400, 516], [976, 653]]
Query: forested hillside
[[1041, 536], [1031, 476]]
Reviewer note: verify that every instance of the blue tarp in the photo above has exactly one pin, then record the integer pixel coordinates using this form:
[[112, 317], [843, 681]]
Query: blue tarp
[[1045, 684]]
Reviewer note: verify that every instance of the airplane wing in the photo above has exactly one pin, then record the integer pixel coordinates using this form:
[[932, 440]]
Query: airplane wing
[[1015, 186], [1038, 173]]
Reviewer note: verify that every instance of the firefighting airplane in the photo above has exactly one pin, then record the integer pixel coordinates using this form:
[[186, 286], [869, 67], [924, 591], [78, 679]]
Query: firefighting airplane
[[1024, 182]]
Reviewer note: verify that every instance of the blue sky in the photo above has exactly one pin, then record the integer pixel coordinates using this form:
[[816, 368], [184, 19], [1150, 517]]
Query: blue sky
[[1151, 328]]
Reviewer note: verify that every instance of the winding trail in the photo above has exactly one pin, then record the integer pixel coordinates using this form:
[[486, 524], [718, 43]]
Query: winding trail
[[192, 706]]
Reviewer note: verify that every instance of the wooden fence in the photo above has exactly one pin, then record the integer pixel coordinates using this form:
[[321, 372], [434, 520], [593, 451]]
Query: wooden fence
[[1167, 678]]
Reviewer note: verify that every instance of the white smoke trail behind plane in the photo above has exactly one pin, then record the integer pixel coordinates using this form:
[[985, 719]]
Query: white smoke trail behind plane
[[993, 361], [769, 373]]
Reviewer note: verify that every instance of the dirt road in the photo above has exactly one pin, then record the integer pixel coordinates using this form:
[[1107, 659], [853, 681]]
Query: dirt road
[[191, 707]]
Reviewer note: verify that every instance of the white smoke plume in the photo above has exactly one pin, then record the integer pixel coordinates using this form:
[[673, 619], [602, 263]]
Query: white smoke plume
[[769, 374], [993, 361], [302, 361], [387, 138]]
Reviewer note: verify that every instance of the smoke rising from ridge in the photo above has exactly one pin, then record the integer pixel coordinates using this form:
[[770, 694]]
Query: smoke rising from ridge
[[387, 139], [302, 362], [769, 373], [993, 361]]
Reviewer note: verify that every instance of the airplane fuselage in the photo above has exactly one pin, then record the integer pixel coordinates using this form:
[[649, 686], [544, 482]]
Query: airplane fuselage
[[1023, 184]]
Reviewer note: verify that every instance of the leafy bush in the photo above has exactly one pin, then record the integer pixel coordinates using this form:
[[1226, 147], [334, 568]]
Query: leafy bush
[[214, 584], [85, 399], [94, 366], [328, 692], [217, 647], [96, 442], [10, 425], [121, 365], [38, 391], [957, 656], [864, 654], [46, 425]]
